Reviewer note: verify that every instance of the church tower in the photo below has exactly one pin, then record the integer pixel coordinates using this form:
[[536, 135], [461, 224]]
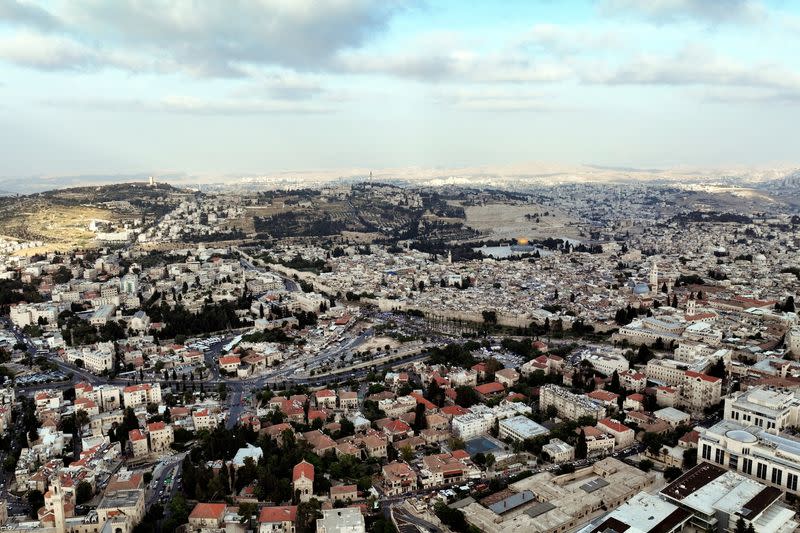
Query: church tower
[[654, 277], [57, 499], [691, 306]]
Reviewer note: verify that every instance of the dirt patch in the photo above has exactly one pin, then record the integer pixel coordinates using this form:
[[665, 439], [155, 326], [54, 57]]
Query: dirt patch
[[503, 221]]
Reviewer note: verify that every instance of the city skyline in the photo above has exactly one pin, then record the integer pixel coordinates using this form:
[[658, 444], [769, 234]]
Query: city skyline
[[167, 87]]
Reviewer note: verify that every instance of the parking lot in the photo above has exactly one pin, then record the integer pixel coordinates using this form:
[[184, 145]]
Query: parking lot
[[41, 377]]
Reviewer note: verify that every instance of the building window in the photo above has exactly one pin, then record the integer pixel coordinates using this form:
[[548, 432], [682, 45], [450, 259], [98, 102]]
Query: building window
[[706, 452], [733, 462], [719, 456], [761, 471], [747, 466], [791, 482], [776, 476]]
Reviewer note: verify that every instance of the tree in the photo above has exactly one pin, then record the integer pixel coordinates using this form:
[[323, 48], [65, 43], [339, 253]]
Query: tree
[[717, 369], [307, 514], [690, 458], [581, 447], [83, 492], [614, 386], [645, 465], [81, 419], [407, 453], [740, 526], [435, 394], [453, 518], [466, 396], [178, 513], [490, 460], [420, 422], [35, 502], [672, 473]]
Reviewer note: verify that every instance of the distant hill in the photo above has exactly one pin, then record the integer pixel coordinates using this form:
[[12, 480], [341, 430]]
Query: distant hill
[[60, 218]]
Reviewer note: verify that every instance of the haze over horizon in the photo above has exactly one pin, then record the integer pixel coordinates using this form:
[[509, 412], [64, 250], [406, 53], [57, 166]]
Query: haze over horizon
[[129, 87]]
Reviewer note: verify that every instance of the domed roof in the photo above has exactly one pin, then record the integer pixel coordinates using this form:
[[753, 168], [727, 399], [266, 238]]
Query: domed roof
[[641, 288], [741, 436]]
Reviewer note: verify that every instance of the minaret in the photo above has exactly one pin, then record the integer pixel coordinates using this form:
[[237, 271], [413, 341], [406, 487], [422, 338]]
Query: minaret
[[654, 277], [449, 257], [691, 306], [57, 500]]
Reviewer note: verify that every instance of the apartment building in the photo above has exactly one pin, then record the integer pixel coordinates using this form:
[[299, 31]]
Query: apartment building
[[700, 391], [766, 407], [568, 405], [143, 394], [161, 436]]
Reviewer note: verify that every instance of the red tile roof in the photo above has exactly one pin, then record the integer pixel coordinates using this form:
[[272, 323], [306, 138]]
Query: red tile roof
[[208, 510], [303, 469], [137, 388], [704, 377], [490, 388], [283, 513], [614, 425], [460, 454], [603, 395], [454, 410], [229, 360], [397, 426]]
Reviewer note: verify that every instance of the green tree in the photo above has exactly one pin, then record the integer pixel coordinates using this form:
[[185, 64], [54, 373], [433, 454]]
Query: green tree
[[740, 526], [581, 447], [178, 513], [690, 458], [83, 492], [466, 396], [614, 386], [307, 514], [672, 473], [35, 502], [645, 465], [407, 453], [490, 460]]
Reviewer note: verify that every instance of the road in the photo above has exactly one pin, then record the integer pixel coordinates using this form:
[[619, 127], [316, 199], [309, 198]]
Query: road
[[159, 489], [409, 523]]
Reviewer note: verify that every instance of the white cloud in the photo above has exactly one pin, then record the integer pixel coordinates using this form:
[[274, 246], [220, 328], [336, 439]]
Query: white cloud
[[190, 105], [568, 40], [670, 11], [46, 52], [695, 65], [499, 100], [212, 38], [456, 65], [27, 14]]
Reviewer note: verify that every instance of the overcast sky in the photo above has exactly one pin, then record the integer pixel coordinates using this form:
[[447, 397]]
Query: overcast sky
[[256, 86]]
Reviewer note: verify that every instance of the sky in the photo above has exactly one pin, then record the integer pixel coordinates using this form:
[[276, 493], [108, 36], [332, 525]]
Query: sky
[[94, 87]]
